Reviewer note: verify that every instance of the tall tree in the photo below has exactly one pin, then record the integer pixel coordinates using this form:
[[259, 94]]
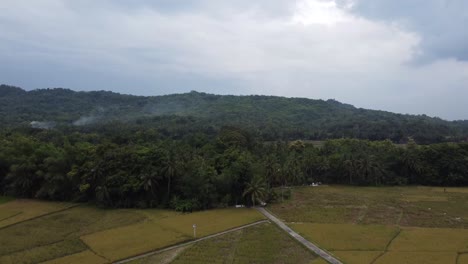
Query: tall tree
[[255, 189]]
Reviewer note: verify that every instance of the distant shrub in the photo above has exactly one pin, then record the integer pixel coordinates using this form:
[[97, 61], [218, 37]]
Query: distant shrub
[[184, 205]]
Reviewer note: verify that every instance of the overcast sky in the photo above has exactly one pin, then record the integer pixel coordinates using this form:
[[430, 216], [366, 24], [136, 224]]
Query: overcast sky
[[406, 56]]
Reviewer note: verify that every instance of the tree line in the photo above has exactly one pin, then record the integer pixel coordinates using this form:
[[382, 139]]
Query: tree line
[[200, 171]]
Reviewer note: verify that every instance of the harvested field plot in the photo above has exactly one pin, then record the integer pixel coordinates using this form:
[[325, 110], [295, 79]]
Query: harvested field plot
[[357, 257], [43, 253], [162, 258], [405, 206], [347, 237], [86, 256], [407, 224], [127, 241], [417, 257], [462, 259], [20, 210], [54, 232], [431, 240], [57, 235], [259, 244]]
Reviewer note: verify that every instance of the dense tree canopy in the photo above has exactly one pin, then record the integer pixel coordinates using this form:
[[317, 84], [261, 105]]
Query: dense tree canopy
[[267, 117], [197, 171]]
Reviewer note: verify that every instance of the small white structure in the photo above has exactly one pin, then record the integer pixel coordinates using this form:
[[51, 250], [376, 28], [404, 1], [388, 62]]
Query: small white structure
[[240, 206]]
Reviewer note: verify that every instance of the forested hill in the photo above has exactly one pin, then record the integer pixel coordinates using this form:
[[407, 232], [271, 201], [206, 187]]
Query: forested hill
[[268, 117]]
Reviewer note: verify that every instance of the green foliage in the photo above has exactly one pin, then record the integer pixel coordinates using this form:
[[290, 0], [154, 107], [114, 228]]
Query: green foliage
[[184, 205], [207, 150], [127, 172], [269, 117]]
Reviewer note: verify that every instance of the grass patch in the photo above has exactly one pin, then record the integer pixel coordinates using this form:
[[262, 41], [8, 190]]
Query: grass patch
[[43, 253], [86, 256], [424, 198], [431, 239], [20, 210], [264, 243], [357, 257], [161, 232], [417, 257], [462, 259], [406, 206], [347, 237]]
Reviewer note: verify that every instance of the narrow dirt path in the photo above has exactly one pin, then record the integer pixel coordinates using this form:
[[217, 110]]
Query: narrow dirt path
[[323, 254], [187, 243]]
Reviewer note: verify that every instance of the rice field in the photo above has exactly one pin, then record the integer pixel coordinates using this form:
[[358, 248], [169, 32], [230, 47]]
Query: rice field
[[376, 225], [62, 233], [158, 233], [417, 257], [382, 224], [357, 257], [462, 258], [12, 212], [86, 256], [433, 207], [431, 240], [347, 237], [264, 243]]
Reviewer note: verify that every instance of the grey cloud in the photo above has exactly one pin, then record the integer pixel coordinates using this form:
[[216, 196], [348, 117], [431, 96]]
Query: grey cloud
[[238, 47], [441, 23]]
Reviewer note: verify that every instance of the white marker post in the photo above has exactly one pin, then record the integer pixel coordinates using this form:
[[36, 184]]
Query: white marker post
[[194, 230]]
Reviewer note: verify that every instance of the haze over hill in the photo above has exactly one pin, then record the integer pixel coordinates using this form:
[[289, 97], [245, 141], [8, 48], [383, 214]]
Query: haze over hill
[[271, 117]]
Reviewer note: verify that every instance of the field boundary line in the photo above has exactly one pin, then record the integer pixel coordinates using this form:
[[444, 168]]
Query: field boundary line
[[39, 216], [400, 217], [232, 252], [309, 245], [183, 244], [379, 256], [387, 246], [94, 252], [32, 247], [11, 216], [393, 238]]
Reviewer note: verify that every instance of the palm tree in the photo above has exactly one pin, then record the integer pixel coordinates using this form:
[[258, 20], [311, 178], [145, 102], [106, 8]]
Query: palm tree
[[270, 169], [351, 166], [256, 189], [169, 170], [103, 196], [411, 165], [150, 181], [293, 170], [22, 177], [370, 169]]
